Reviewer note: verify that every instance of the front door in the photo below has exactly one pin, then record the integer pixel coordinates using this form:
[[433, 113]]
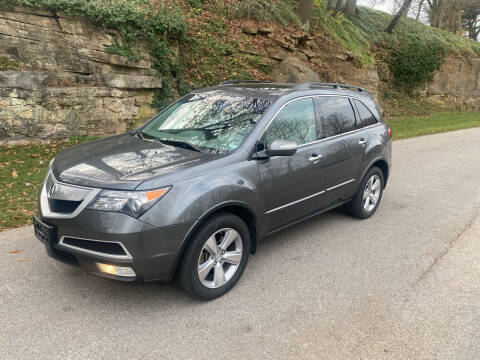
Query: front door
[[292, 186]]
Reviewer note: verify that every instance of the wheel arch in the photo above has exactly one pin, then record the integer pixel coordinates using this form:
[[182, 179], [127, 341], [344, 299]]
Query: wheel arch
[[238, 208], [382, 164]]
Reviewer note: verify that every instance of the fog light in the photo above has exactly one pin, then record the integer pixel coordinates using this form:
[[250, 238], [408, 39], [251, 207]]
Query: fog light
[[116, 270]]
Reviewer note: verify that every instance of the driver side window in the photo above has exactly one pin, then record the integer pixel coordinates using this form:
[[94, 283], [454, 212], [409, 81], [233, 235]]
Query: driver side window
[[295, 122]]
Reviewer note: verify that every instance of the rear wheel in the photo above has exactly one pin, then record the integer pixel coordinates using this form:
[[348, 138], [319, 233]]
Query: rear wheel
[[366, 201], [215, 257]]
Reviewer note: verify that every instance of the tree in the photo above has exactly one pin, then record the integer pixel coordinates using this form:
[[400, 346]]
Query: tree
[[446, 14], [330, 5], [403, 10], [471, 21], [351, 7], [338, 7], [303, 11], [420, 5]]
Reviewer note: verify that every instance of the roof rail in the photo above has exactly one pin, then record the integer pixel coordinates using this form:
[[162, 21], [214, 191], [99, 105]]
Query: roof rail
[[233, 82], [308, 85]]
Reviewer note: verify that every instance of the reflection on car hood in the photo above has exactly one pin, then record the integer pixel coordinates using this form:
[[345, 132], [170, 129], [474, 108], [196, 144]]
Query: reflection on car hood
[[122, 162]]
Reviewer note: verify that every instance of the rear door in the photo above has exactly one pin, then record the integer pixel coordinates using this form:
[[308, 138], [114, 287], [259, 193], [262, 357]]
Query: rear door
[[345, 146], [292, 186]]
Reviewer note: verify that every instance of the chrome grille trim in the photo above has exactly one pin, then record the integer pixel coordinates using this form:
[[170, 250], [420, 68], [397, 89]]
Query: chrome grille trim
[[77, 193], [128, 256]]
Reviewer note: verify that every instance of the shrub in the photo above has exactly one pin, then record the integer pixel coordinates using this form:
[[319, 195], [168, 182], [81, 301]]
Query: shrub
[[414, 60]]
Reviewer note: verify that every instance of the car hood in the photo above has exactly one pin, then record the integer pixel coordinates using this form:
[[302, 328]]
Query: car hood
[[122, 162]]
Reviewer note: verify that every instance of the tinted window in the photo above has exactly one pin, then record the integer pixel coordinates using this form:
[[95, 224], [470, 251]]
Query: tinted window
[[366, 117], [295, 122], [336, 115]]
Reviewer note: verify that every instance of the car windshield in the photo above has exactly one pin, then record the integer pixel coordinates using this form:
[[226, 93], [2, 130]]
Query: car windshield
[[213, 121]]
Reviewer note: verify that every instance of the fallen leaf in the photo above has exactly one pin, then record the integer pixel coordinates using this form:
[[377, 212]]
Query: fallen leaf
[[16, 251], [14, 174]]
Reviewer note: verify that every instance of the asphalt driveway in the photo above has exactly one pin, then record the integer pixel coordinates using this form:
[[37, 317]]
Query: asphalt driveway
[[404, 284]]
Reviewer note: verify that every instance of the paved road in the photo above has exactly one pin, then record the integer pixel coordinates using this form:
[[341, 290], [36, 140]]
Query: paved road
[[402, 285]]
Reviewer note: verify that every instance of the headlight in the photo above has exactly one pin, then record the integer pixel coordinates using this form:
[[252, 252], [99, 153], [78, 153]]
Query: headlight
[[133, 203]]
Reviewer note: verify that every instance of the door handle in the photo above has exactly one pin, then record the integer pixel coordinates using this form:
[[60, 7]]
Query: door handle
[[315, 158], [362, 142]]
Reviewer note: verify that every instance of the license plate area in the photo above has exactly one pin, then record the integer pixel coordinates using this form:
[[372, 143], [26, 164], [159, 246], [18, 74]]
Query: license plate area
[[44, 232]]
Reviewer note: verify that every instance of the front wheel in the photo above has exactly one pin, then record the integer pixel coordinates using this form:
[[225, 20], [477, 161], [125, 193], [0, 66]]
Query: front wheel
[[366, 201], [215, 258]]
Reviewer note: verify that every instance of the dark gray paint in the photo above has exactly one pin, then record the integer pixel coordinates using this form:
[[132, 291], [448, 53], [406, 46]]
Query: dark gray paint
[[276, 191]]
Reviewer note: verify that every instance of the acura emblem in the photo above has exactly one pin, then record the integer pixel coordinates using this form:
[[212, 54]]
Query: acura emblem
[[52, 190]]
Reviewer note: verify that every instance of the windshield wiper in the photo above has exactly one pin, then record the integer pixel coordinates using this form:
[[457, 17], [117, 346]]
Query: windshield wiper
[[182, 144]]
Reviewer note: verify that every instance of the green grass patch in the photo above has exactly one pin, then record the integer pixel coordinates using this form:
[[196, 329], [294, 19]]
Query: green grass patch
[[410, 126], [22, 170], [413, 52], [346, 32], [373, 24]]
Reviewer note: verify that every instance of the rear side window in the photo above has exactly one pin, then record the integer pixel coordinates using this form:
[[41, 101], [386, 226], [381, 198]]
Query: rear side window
[[366, 117], [336, 115], [295, 122]]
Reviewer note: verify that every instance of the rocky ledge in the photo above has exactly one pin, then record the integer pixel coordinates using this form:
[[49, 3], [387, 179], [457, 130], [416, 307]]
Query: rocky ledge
[[64, 83]]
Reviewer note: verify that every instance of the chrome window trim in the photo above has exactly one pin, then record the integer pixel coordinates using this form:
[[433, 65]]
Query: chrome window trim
[[310, 196], [45, 208], [128, 256], [328, 138], [281, 108], [371, 112], [343, 134]]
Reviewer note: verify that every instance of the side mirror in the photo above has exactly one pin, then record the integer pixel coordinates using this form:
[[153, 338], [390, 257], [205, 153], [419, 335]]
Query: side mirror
[[282, 148]]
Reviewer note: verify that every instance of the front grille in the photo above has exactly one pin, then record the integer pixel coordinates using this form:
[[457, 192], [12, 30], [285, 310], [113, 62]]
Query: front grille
[[108, 248], [63, 206]]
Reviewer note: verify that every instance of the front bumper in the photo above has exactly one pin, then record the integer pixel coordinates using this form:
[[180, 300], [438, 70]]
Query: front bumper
[[150, 251]]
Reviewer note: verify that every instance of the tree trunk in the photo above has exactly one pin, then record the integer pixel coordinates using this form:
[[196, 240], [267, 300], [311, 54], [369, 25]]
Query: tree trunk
[[398, 15], [303, 10], [419, 9], [330, 5], [450, 16], [351, 7], [338, 7]]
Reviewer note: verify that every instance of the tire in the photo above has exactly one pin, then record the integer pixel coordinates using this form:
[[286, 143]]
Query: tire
[[200, 271], [357, 207]]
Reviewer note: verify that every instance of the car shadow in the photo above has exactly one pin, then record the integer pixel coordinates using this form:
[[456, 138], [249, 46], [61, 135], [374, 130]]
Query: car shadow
[[75, 283]]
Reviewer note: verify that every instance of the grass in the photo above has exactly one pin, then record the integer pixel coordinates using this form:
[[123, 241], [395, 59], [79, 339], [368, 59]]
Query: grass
[[22, 170], [410, 126], [362, 32]]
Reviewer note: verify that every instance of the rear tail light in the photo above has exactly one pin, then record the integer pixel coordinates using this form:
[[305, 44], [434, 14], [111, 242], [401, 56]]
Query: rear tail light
[[390, 132]]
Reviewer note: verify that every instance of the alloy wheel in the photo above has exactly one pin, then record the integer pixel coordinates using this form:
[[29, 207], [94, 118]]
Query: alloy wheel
[[371, 193], [220, 258]]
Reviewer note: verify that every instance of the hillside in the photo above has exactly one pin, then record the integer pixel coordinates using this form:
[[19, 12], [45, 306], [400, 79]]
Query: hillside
[[128, 58]]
